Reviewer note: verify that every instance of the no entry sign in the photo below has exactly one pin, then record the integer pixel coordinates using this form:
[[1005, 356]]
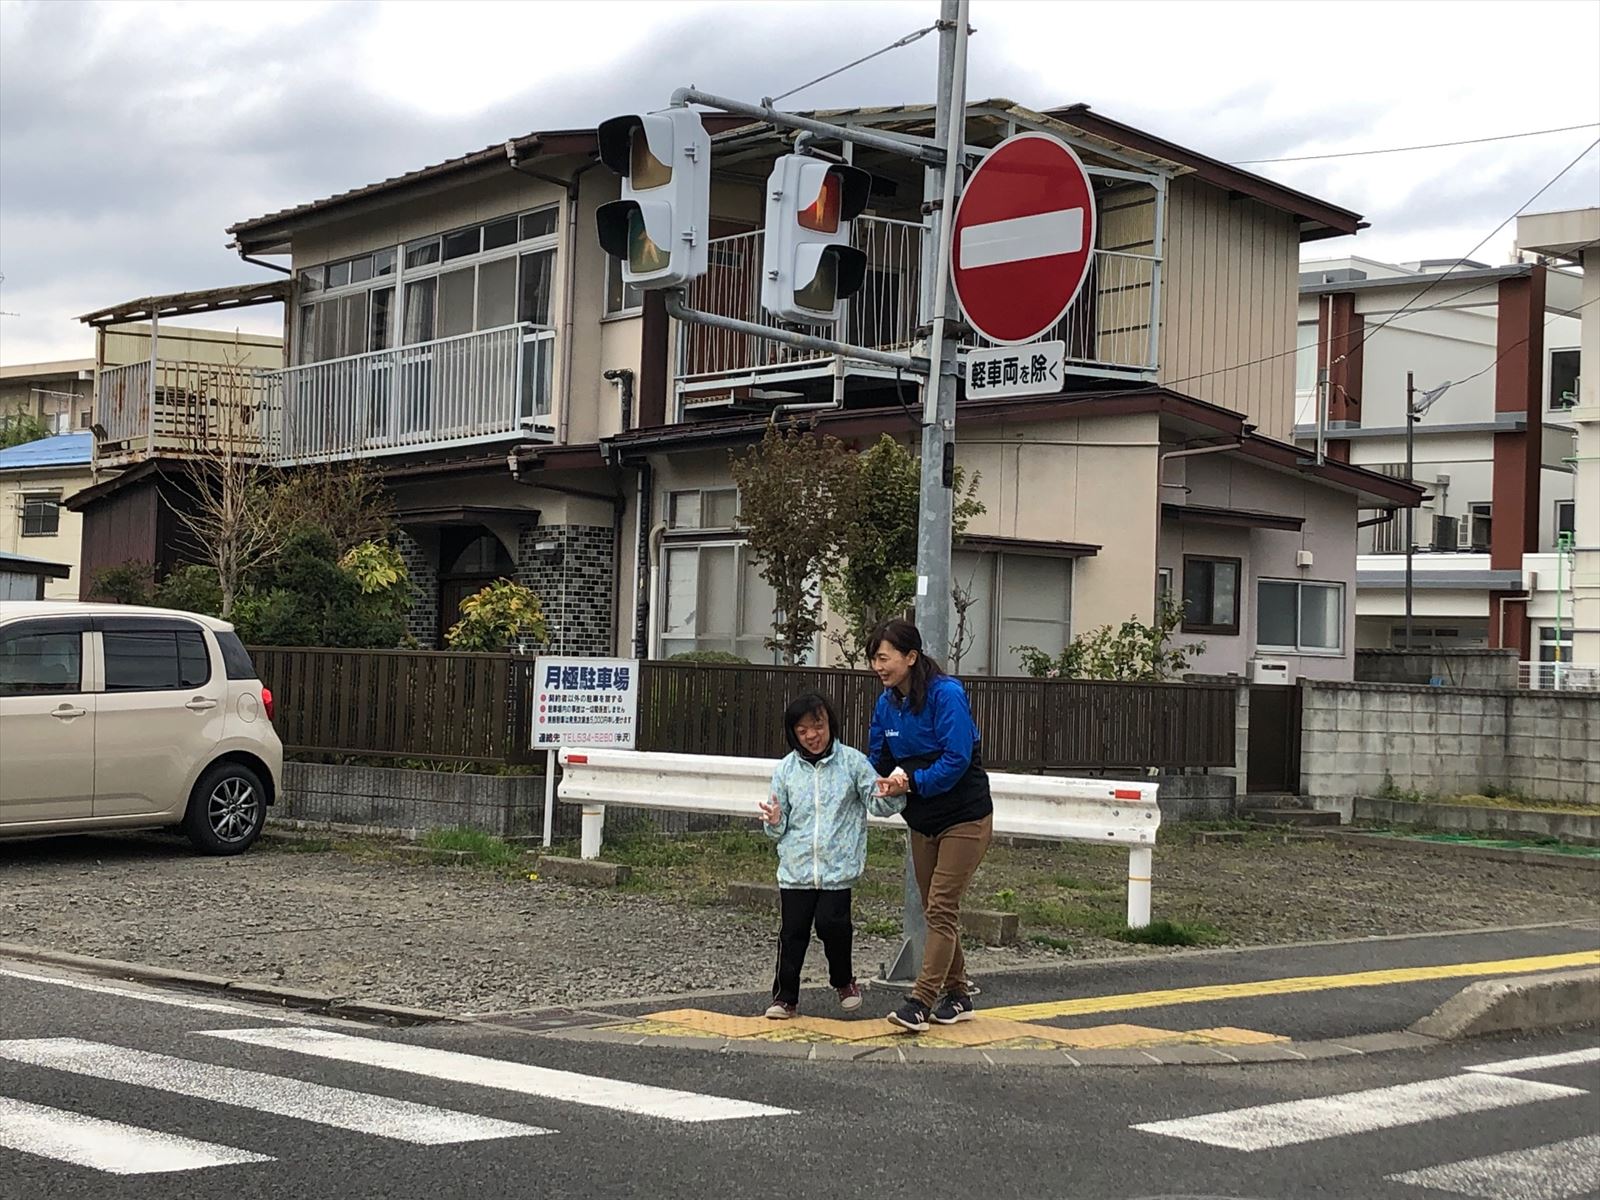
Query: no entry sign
[[1024, 238]]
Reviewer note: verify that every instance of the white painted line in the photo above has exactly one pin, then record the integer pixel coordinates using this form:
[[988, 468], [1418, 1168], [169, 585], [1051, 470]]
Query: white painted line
[[1018, 239], [594, 1090], [401, 1120], [1541, 1062], [153, 997], [71, 1137], [1268, 1126], [1558, 1171]]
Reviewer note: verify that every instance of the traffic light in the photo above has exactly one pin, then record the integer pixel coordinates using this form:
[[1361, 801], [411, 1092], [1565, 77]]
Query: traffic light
[[807, 262], [660, 225]]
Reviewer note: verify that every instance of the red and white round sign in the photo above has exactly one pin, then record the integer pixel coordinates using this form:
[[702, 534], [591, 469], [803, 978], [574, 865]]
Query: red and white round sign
[[1024, 238]]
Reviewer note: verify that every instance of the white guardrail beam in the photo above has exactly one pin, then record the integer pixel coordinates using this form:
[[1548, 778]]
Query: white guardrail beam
[[1035, 806]]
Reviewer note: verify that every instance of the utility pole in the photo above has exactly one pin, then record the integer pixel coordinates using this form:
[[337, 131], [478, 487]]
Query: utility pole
[[939, 394], [1411, 425]]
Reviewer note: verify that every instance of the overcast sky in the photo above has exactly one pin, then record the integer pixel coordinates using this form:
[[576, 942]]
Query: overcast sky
[[132, 133]]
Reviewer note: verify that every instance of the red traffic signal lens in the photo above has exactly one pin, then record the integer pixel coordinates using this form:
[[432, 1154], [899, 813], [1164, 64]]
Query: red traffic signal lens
[[822, 215]]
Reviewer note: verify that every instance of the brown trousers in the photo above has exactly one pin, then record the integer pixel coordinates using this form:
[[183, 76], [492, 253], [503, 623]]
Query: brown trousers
[[945, 864]]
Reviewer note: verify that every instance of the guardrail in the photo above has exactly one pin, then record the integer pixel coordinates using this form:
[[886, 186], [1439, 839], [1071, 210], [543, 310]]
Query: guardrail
[[1036, 806]]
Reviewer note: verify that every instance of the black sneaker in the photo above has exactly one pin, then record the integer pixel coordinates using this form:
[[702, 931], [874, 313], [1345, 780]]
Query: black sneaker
[[912, 1015], [952, 1008]]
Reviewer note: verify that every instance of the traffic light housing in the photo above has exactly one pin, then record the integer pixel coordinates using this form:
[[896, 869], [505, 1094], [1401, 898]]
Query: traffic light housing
[[660, 226], [807, 263]]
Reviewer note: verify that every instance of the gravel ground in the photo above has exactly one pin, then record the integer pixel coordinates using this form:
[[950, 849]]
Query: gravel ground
[[468, 940]]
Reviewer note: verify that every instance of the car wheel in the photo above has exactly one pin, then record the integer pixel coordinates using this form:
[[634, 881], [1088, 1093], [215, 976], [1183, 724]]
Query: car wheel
[[226, 810]]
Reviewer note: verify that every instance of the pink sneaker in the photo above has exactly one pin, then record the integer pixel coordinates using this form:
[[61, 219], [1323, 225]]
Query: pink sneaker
[[779, 1011], [849, 996]]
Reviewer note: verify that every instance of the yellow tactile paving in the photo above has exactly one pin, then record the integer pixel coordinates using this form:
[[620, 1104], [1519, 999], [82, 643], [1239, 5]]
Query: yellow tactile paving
[[985, 1031]]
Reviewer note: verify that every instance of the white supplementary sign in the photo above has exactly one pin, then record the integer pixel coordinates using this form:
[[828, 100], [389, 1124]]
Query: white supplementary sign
[[1034, 369], [585, 702]]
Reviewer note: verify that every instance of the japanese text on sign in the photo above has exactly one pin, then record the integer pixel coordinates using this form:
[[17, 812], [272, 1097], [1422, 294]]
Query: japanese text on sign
[[1030, 370], [585, 702]]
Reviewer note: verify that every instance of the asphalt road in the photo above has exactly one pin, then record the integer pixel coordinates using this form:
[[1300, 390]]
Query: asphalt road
[[290, 1106]]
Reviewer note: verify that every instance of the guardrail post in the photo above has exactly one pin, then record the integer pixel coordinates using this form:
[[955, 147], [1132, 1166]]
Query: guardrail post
[[1139, 868], [594, 820], [907, 962]]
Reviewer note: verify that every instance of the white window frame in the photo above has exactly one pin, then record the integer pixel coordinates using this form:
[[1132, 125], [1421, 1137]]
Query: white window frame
[[1555, 529], [627, 311], [49, 495], [996, 607], [741, 562], [1550, 378], [701, 494], [1299, 586]]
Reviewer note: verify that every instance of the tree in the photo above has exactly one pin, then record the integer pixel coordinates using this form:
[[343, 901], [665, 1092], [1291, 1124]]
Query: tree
[[18, 427], [1133, 651], [879, 577], [306, 597], [799, 495], [345, 500]]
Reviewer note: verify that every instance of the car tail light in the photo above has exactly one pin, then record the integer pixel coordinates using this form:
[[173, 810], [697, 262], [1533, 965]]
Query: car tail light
[[266, 702]]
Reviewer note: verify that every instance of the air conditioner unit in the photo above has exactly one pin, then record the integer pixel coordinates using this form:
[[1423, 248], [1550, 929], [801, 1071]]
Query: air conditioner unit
[[1271, 670], [1444, 533]]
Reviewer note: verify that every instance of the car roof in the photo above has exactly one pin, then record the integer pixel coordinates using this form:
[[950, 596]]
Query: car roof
[[16, 609]]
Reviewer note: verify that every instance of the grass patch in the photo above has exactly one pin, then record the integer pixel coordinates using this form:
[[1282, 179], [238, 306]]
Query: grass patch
[[486, 849], [1171, 933], [879, 927], [1050, 942]]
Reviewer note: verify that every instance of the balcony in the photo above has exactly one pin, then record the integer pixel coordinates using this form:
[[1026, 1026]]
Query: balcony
[[1111, 330], [198, 409]]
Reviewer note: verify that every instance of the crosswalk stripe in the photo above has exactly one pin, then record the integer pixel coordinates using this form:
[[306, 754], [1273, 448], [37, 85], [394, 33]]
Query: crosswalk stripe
[[1539, 1062], [108, 1146], [1558, 1171], [594, 1090], [1268, 1126], [153, 997], [401, 1120]]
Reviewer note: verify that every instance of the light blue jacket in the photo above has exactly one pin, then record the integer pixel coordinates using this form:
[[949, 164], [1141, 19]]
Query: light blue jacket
[[822, 832]]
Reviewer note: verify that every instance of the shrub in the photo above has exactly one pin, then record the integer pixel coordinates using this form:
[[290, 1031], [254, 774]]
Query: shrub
[[126, 583], [499, 615], [194, 588], [709, 656]]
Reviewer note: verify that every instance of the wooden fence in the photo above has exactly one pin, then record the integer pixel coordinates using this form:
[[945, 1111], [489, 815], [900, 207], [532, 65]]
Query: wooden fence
[[478, 708]]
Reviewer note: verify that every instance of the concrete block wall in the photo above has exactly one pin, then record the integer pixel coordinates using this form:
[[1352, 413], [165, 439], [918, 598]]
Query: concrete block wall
[[578, 591], [1492, 669], [422, 620], [394, 798], [1443, 741]]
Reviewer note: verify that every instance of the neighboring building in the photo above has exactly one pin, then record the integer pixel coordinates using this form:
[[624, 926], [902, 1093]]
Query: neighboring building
[[1574, 237], [24, 578], [36, 478], [459, 327], [1493, 449], [60, 394]]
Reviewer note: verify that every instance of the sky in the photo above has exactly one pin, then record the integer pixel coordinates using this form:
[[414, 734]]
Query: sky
[[133, 133]]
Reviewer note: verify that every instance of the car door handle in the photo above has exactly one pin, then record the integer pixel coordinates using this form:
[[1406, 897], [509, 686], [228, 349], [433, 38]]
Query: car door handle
[[67, 713], [200, 704]]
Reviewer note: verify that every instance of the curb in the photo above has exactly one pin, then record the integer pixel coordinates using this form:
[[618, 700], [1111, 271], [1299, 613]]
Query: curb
[[1524, 1004], [354, 1008]]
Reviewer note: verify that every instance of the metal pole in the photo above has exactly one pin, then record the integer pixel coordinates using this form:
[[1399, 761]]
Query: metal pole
[[678, 310], [938, 417], [549, 795], [861, 137], [1411, 425]]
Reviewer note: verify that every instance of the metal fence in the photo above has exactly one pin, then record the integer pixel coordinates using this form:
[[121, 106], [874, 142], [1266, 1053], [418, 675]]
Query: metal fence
[[199, 408], [478, 708], [1559, 676]]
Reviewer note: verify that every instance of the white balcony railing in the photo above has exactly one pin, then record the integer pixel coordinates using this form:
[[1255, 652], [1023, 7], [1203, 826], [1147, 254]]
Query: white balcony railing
[[1110, 329], [200, 408], [471, 388], [1559, 676]]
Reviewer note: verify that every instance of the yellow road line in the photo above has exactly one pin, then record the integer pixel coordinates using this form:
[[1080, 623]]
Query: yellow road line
[[1283, 987]]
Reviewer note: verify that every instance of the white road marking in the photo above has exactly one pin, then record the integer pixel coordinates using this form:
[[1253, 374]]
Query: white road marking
[[594, 1090], [1017, 239], [1268, 1126], [118, 1149], [1555, 1172], [152, 997], [1540, 1062], [401, 1120]]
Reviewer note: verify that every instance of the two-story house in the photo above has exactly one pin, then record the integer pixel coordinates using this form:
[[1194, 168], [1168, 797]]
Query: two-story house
[[1493, 449], [459, 326]]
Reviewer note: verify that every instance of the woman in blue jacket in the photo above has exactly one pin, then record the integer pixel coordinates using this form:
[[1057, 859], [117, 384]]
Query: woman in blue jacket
[[926, 744]]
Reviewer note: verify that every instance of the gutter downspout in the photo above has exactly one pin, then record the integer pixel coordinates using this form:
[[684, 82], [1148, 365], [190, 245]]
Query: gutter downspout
[[569, 283], [260, 262], [1193, 452]]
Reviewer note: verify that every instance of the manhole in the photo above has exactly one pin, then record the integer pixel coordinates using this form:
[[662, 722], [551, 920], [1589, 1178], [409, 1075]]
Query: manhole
[[549, 1018]]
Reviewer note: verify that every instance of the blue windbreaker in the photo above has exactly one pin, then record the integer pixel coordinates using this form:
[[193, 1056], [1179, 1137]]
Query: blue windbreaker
[[822, 833], [940, 749]]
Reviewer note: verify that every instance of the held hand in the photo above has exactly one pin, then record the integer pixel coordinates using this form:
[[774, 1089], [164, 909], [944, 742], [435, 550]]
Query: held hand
[[895, 785], [771, 811]]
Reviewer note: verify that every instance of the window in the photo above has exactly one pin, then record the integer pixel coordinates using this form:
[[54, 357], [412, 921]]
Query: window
[[41, 664], [620, 297], [235, 658], [713, 508], [1305, 358], [1163, 588], [1566, 518], [41, 514], [1009, 600], [155, 660], [1307, 618], [715, 599], [1210, 595], [1474, 532], [1563, 379]]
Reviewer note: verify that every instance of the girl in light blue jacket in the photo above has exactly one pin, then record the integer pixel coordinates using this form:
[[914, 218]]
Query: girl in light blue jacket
[[817, 813]]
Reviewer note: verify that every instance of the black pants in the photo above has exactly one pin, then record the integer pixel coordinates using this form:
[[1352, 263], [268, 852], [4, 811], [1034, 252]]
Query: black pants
[[801, 908]]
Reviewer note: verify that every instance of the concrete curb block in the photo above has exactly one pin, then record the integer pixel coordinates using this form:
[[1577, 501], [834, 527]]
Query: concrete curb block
[[1525, 1004], [256, 990], [1537, 858], [591, 872]]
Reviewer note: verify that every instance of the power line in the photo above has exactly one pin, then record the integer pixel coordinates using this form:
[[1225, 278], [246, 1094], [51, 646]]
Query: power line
[[1504, 137], [1522, 341], [913, 36]]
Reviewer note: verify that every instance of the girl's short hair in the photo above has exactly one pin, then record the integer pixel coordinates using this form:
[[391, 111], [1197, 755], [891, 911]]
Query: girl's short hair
[[804, 705], [906, 638]]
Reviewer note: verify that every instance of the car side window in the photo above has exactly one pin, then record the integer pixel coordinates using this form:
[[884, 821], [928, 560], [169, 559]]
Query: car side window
[[41, 664], [155, 660]]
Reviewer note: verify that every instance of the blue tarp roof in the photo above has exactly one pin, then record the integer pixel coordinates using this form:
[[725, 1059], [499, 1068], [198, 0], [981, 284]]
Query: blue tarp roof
[[62, 450]]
